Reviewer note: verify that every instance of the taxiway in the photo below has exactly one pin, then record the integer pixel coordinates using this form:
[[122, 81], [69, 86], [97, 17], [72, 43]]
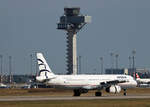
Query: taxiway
[[42, 98]]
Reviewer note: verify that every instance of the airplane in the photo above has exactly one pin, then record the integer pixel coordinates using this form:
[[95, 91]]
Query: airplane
[[3, 85], [143, 80], [83, 83]]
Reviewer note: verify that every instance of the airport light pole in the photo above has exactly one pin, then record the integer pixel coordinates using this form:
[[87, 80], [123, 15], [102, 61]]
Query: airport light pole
[[79, 65], [112, 61], [130, 62], [1, 61], [117, 56], [10, 69], [133, 57], [130, 65], [31, 58], [36, 73], [36, 62], [102, 63]]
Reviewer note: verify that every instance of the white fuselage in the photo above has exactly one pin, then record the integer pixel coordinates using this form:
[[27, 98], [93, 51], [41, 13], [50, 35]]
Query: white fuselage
[[89, 81], [147, 81]]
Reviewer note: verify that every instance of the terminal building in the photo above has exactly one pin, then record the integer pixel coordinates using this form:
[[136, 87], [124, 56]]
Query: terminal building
[[116, 71], [143, 72]]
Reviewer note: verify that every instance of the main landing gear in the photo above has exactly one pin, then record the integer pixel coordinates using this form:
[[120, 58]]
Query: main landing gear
[[125, 92], [76, 93], [98, 93]]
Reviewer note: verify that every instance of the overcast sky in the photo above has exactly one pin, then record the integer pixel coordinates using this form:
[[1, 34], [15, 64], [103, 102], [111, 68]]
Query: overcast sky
[[118, 26]]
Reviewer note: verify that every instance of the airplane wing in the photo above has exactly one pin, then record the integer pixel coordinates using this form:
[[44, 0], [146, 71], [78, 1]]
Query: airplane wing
[[112, 82], [104, 84]]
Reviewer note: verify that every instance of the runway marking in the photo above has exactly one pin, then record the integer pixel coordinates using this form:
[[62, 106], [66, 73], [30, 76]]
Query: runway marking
[[42, 98]]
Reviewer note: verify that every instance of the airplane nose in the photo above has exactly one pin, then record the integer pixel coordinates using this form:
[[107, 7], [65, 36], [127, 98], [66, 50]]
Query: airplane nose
[[135, 83]]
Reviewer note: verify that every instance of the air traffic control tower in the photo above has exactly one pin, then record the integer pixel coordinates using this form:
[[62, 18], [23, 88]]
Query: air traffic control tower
[[72, 21]]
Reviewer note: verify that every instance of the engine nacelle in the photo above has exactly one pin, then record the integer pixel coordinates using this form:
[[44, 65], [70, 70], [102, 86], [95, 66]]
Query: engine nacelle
[[113, 89]]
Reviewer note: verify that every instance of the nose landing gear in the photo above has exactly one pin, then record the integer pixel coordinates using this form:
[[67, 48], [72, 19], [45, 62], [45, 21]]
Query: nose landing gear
[[98, 93], [125, 92]]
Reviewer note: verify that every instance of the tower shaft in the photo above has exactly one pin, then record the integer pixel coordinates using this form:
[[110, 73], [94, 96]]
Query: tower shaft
[[71, 52]]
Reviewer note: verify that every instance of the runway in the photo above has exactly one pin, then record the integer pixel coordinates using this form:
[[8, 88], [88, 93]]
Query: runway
[[42, 98]]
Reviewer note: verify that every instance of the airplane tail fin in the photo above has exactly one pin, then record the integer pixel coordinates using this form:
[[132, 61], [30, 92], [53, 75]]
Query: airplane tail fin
[[137, 76], [44, 70]]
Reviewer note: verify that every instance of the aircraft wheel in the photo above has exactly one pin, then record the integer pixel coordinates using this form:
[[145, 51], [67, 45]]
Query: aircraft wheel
[[98, 93], [77, 93], [125, 93]]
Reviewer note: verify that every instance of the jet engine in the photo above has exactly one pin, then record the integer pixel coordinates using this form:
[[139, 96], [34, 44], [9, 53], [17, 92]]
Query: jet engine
[[113, 89]]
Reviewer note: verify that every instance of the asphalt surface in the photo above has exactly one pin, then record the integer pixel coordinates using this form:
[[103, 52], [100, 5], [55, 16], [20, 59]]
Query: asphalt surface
[[42, 98]]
